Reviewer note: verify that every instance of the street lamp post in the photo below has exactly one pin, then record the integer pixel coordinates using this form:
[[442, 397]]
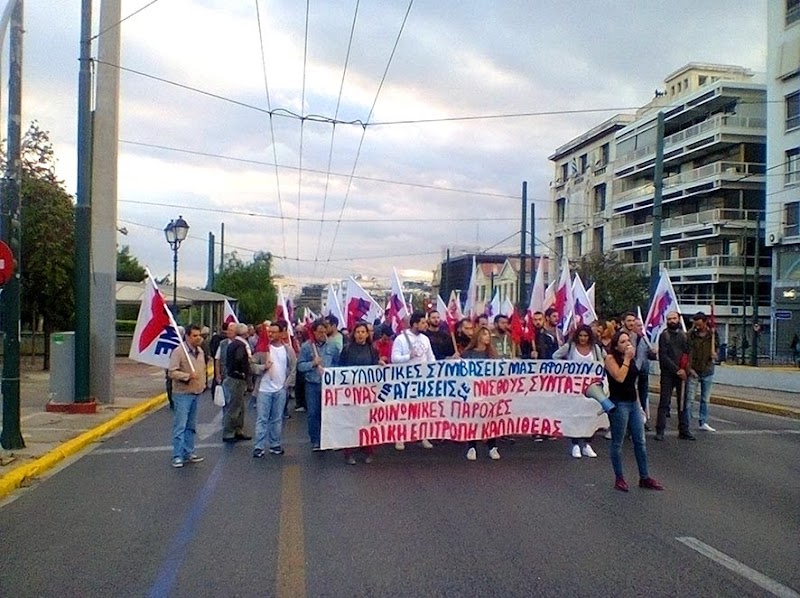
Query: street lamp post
[[175, 232]]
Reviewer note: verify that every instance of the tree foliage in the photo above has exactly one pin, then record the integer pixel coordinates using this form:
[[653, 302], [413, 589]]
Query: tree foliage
[[250, 283], [128, 267], [618, 289]]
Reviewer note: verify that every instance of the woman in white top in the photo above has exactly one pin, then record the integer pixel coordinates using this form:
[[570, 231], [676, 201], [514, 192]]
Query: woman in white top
[[582, 347]]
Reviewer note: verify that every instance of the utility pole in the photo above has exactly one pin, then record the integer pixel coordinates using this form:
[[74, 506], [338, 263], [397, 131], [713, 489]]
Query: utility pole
[[658, 184], [533, 246], [523, 245], [83, 212], [11, 436], [221, 246], [210, 283], [742, 358], [756, 324]]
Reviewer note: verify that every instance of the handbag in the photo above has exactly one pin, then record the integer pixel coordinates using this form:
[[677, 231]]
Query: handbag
[[219, 396]]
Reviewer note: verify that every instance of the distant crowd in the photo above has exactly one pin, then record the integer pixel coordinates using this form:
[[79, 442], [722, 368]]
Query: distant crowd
[[271, 367]]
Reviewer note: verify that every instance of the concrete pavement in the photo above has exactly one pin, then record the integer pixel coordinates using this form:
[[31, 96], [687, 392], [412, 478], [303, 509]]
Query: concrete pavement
[[52, 437]]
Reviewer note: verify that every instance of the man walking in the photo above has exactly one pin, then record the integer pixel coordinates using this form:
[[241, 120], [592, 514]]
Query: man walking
[[315, 355], [280, 363], [673, 358], [186, 371], [703, 346], [501, 338], [237, 374], [441, 341]]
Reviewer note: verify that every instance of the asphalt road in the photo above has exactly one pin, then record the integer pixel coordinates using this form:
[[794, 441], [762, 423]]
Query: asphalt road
[[119, 521]]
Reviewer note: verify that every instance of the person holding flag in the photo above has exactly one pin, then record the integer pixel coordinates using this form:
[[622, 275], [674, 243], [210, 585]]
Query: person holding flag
[[673, 358], [315, 355], [186, 370]]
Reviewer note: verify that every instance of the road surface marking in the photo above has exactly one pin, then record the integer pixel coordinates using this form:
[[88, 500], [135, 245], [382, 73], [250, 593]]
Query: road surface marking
[[168, 574], [149, 449], [204, 431], [761, 580], [291, 577]]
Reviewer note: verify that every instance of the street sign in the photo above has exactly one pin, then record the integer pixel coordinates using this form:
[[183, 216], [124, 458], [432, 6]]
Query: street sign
[[6, 263], [783, 314]]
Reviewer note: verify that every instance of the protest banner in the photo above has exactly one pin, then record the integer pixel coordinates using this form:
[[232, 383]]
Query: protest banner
[[459, 400]]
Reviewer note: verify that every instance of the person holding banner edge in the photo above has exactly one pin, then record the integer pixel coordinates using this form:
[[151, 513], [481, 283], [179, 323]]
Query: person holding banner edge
[[315, 355], [481, 347], [622, 375]]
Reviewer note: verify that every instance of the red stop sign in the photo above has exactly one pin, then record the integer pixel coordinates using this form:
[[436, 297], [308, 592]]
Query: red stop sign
[[6, 263]]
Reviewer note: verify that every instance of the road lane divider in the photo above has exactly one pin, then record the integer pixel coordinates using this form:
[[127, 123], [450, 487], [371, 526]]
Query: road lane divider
[[291, 570]]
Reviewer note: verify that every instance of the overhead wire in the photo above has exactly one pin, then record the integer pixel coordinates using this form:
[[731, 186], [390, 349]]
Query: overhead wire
[[302, 126], [364, 129], [271, 128], [121, 21], [333, 131]]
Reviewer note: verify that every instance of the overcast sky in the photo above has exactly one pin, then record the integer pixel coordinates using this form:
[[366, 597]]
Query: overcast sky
[[419, 187]]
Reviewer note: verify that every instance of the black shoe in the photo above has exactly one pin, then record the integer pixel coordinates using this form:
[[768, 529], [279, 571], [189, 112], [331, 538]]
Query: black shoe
[[687, 436], [230, 439], [648, 428], [241, 436], [258, 453], [659, 436]]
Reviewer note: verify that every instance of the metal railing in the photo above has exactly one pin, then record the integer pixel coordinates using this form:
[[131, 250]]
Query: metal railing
[[709, 261], [619, 229]]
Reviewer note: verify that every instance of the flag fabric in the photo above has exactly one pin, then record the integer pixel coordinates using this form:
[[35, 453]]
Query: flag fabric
[[228, 315], [584, 310], [639, 314], [664, 301], [549, 297], [492, 308], [471, 304], [396, 309], [517, 328], [333, 307], [360, 305], [564, 300], [282, 311], [507, 308], [590, 294], [156, 333], [453, 313], [537, 290], [290, 310]]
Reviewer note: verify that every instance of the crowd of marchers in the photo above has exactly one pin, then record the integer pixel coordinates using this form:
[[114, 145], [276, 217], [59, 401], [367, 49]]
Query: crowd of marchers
[[268, 366]]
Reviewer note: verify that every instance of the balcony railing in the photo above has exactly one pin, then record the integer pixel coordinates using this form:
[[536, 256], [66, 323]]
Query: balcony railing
[[619, 229], [710, 262], [734, 169], [719, 121]]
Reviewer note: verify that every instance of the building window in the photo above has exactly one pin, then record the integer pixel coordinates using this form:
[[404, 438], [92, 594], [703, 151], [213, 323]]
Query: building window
[[793, 111], [597, 241], [584, 164], [577, 244], [599, 202], [701, 79], [561, 209], [559, 247], [792, 219], [792, 166], [604, 155], [792, 11], [565, 171]]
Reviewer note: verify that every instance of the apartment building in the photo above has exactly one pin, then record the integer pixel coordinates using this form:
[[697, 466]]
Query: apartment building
[[713, 193], [783, 160]]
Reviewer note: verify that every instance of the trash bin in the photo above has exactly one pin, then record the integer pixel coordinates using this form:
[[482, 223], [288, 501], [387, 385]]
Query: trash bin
[[62, 367]]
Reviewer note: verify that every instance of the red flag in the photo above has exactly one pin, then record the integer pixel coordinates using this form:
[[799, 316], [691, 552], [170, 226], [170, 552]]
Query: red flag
[[516, 328]]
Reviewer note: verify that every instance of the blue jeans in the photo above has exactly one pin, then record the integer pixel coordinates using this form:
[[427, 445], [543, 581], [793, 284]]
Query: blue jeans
[[269, 418], [628, 415], [704, 382], [184, 424], [314, 411]]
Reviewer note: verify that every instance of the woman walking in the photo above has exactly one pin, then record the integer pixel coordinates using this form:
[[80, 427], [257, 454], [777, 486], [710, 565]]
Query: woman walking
[[480, 347]]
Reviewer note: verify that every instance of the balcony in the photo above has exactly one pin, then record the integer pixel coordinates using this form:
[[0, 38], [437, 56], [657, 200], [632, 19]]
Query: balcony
[[711, 268], [684, 142], [682, 223], [710, 176]]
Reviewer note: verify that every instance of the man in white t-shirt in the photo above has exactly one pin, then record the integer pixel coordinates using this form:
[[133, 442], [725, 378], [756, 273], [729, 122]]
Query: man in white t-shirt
[[412, 346], [279, 367]]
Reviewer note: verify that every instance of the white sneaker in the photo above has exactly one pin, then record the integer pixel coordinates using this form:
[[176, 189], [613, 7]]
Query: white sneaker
[[607, 435], [494, 454], [576, 451], [471, 454], [399, 446], [426, 444], [707, 428], [588, 451]]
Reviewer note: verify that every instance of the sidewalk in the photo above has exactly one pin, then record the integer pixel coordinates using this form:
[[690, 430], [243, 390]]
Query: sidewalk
[[52, 437]]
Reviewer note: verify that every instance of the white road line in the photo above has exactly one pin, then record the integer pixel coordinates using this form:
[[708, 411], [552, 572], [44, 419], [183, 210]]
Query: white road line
[[761, 580], [749, 432], [148, 449], [204, 431]]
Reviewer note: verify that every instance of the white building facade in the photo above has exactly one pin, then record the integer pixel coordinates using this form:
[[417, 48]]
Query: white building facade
[[783, 159]]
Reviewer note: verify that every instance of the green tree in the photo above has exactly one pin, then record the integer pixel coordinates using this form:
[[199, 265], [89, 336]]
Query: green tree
[[251, 283], [618, 289], [128, 267]]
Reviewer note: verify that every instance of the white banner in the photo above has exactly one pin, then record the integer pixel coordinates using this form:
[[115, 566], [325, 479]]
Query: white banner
[[460, 400]]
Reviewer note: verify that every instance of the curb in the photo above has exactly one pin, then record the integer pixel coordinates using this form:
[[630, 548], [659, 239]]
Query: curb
[[17, 477], [769, 408]]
